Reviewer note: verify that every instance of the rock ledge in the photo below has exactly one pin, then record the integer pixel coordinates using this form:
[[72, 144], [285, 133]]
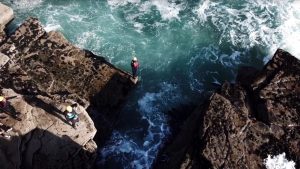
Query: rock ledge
[[40, 74], [243, 123]]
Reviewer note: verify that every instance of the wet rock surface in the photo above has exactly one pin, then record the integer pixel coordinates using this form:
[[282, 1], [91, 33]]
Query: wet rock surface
[[244, 122], [41, 73]]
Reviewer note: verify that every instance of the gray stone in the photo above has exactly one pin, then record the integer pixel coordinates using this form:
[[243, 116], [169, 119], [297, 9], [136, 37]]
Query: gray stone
[[3, 59], [6, 14]]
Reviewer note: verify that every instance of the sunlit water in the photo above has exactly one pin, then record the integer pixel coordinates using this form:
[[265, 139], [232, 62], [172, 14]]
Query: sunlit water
[[183, 46]]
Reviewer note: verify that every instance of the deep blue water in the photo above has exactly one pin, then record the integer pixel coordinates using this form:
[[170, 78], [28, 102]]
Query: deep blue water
[[183, 47]]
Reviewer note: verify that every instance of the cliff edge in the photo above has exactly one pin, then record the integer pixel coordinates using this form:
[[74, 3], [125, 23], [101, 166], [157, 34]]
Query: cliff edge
[[41, 73], [243, 123]]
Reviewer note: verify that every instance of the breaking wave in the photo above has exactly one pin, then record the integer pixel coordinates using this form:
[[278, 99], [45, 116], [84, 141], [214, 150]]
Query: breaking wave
[[151, 108], [246, 24], [279, 162]]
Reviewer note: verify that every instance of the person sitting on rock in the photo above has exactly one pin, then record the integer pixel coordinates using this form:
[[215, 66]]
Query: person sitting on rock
[[3, 102], [71, 116], [134, 66], [8, 109]]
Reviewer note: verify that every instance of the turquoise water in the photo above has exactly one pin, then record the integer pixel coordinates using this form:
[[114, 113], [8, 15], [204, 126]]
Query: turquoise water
[[183, 47]]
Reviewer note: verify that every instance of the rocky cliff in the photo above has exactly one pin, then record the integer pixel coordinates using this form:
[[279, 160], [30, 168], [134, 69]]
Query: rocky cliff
[[244, 122], [41, 72], [6, 15]]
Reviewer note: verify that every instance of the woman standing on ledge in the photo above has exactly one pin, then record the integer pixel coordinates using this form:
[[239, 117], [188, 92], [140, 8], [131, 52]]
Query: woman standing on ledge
[[134, 66]]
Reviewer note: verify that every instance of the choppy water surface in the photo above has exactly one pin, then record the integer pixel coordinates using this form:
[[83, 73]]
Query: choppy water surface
[[183, 46]]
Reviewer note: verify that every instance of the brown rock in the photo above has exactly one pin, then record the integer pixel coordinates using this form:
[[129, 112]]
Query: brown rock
[[244, 122], [44, 74]]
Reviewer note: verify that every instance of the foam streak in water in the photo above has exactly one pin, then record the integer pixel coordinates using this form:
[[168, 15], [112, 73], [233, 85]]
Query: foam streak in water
[[199, 74], [116, 3], [168, 9], [26, 4], [272, 24], [151, 107]]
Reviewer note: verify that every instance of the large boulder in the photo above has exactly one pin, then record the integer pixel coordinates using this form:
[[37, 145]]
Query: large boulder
[[48, 63], [41, 72], [6, 15], [40, 137], [243, 123]]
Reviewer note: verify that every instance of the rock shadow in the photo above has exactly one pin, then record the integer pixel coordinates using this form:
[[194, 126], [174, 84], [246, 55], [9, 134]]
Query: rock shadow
[[11, 111], [106, 104], [36, 102], [256, 105], [183, 146], [40, 149]]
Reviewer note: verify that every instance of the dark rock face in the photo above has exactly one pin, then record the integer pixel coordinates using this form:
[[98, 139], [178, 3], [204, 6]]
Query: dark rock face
[[47, 63], [243, 122], [44, 72]]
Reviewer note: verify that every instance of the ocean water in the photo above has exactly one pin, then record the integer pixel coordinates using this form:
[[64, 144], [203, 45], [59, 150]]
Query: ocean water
[[183, 47]]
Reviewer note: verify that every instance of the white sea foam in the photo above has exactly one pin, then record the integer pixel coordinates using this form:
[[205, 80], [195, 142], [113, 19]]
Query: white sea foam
[[117, 3], [230, 61], [77, 18], [167, 9], [84, 39], [52, 27], [52, 24], [279, 162], [202, 10], [27, 4], [214, 55], [290, 29], [120, 144], [89, 40], [138, 26], [271, 24], [150, 105], [237, 25]]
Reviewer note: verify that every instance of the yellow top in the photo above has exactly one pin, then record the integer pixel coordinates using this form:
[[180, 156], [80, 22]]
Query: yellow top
[[69, 109], [2, 98]]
